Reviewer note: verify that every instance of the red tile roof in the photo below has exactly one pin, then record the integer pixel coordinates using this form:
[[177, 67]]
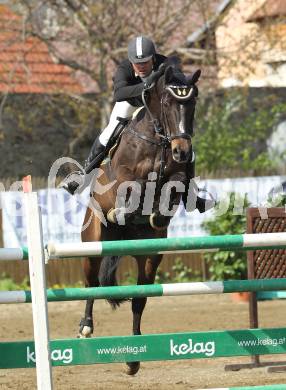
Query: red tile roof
[[26, 65]]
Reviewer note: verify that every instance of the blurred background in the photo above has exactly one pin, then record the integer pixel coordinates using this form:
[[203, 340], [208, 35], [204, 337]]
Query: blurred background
[[57, 59]]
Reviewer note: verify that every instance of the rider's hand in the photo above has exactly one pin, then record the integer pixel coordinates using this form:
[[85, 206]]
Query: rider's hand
[[153, 77]]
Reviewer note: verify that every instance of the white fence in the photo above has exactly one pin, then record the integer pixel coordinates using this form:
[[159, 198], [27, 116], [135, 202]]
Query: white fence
[[63, 214]]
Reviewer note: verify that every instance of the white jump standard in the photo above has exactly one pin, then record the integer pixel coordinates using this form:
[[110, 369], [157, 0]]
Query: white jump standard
[[172, 346]]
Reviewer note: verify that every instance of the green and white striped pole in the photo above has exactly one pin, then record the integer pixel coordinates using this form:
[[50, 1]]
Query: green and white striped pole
[[7, 254], [153, 246], [153, 290], [168, 245]]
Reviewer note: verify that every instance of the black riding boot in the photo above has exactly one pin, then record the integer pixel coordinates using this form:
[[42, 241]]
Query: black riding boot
[[95, 157], [76, 179], [194, 197]]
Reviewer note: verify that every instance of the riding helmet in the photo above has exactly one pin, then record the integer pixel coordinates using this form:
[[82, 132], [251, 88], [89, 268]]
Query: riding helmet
[[140, 49]]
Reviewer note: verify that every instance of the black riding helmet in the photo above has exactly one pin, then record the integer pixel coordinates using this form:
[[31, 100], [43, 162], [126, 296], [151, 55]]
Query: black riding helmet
[[140, 49]]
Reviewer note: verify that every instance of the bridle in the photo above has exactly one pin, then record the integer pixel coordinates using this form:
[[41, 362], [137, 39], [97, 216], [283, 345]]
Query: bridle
[[181, 94]]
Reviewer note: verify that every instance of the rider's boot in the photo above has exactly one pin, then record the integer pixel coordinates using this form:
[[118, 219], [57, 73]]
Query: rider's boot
[[96, 156], [76, 179], [203, 199]]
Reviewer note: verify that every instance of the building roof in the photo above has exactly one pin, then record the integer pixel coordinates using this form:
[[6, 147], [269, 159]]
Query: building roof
[[199, 34], [270, 8], [26, 66]]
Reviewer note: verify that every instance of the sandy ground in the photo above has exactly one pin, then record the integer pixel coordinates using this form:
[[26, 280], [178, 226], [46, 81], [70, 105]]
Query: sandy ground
[[166, 314]]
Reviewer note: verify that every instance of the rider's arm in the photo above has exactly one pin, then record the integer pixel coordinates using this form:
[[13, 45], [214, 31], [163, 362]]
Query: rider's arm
[[124, 87]]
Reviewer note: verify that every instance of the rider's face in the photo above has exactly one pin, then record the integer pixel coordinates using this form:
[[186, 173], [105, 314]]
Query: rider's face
[[143, 69]]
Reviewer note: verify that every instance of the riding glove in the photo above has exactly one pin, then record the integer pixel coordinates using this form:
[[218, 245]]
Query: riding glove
[[150, 80]]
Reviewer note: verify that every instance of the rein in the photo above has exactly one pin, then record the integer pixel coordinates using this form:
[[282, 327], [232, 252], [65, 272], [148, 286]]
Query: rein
[[165, 141], [158, 129], [148, 139]]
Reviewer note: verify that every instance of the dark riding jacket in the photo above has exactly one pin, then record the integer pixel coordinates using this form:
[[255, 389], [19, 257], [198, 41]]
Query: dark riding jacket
[[127, 86]]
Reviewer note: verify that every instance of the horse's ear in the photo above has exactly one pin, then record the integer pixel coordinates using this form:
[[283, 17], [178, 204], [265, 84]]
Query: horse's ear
[[194, 78], [169, 75]]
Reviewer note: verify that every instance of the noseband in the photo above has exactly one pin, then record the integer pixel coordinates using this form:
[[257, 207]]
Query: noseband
[[181, 94]]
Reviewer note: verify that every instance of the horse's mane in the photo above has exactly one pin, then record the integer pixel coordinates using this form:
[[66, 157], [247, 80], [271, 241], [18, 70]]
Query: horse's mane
[[176, 76]]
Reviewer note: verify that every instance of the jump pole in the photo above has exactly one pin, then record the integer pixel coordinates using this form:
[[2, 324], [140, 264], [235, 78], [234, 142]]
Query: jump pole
[[7, 254], [152, 246], [168, 245], [153, 290], [38, 287], [36, 268]]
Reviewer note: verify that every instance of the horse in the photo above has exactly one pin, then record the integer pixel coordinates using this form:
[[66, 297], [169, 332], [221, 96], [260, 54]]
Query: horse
[[147, 169]]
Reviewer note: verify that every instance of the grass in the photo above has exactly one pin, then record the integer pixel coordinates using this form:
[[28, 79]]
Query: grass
[[8, 284]]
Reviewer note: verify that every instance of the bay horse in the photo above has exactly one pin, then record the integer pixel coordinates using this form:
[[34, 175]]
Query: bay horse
[[147, 170]]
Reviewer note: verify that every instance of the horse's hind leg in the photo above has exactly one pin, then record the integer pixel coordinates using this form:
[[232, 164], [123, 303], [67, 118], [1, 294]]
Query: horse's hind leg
[[147, 268], [91, 269]]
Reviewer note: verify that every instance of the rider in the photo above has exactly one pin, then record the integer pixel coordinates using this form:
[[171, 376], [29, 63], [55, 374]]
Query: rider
[[136, 73]]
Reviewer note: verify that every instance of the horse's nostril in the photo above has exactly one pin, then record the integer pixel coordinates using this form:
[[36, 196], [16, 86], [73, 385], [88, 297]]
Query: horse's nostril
[[179, 155], [176, 153], [183, 156]]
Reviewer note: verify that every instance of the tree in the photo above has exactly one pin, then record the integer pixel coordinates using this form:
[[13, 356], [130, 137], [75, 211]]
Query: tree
[[91, 36]]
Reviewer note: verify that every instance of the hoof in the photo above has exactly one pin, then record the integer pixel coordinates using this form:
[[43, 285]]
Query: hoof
[[159, 222], [81, 336], [132, 368], [111, 216], [85, 332], [118, 216]]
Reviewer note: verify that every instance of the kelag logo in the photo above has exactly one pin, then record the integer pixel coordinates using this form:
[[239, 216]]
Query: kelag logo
[[65, 355], [207, 349]]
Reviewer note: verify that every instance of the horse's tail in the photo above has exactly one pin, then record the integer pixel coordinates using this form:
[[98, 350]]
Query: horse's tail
[[107, 276]]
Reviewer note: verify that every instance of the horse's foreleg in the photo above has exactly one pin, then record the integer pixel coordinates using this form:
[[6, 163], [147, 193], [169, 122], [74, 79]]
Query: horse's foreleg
[[91, 269], [147, 268], [86, 323], [138, 305], [146, 275]]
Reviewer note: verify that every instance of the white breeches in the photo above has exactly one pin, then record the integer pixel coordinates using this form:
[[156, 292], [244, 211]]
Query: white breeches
[[120, 109]]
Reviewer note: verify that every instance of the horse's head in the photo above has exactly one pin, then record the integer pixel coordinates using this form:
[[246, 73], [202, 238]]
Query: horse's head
[[178, 101]]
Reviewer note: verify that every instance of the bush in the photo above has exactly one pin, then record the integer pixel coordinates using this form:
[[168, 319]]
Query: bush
[[8, 284], [231, 264], [232, 132]]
